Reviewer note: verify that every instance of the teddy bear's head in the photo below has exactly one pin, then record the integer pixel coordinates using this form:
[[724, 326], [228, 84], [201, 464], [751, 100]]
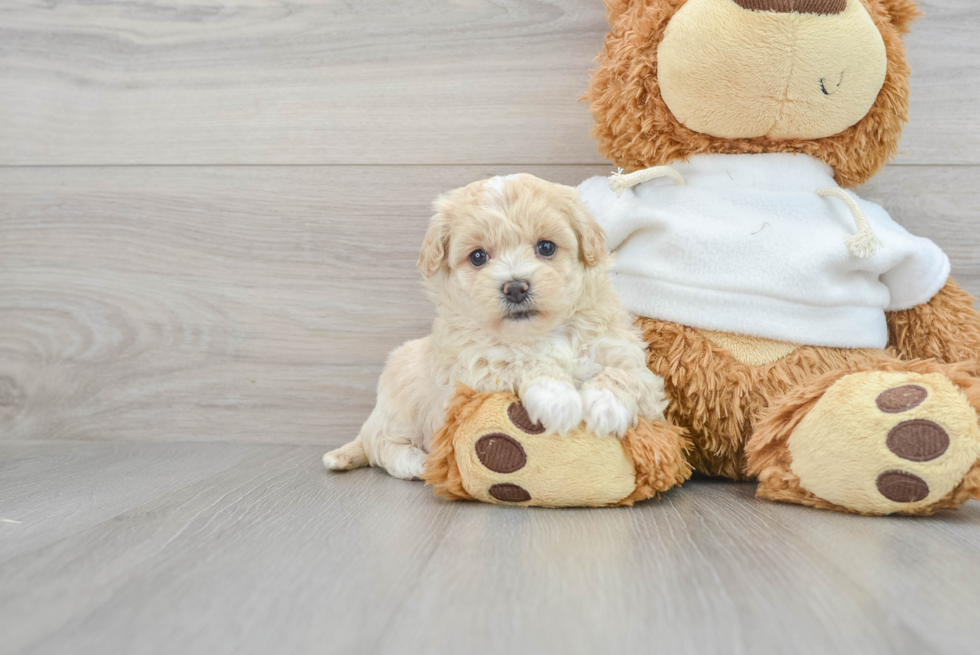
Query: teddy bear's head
[[823, 77]]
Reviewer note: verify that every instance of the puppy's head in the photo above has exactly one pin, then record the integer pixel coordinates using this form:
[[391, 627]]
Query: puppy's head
[[513, 254]]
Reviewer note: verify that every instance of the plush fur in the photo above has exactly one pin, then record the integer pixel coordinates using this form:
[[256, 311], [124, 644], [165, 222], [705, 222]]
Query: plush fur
[[722, 402], [635, 129], [568, 349], [442, 470], [947, 328]]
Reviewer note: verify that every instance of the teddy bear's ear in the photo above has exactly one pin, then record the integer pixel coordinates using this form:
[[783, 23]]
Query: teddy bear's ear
[[435, 246], [902, 13], [615, 9]]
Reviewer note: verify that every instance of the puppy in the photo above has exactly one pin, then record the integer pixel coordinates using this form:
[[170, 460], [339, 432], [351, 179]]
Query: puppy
[[518, 271]]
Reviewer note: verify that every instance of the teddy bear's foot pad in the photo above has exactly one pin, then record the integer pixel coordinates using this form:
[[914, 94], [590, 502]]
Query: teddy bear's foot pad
[[886, 442], [492, 451], [506, 458]]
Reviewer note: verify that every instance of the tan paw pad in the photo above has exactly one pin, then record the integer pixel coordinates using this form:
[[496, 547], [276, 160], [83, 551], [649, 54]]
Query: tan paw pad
[[505, 458], [883, 442]]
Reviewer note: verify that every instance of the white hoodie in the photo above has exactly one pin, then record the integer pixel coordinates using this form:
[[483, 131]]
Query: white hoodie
[[747, 246]]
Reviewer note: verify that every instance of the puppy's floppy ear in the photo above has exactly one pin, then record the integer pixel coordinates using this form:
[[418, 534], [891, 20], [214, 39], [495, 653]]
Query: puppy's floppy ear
[[435, 245], [591, 236], [902, 13]]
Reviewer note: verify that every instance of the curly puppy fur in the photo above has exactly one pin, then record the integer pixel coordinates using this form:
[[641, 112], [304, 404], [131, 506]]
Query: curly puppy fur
[[635, 129]]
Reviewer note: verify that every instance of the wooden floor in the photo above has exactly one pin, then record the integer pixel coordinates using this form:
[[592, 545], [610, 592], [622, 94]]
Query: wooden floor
[[209, 218], [123, 547]]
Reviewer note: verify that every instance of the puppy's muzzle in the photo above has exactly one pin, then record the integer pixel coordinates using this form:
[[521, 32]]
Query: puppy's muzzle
[[516, 291]]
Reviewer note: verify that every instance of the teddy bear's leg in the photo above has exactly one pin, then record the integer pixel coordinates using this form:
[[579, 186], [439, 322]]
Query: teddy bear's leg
[[901, 438], [490, 450]]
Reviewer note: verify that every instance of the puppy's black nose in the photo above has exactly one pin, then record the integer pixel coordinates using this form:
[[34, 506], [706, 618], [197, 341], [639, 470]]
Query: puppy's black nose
[[515, 291]]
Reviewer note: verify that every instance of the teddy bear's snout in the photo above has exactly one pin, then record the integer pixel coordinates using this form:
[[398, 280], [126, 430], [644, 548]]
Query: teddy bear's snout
[[823, 7]]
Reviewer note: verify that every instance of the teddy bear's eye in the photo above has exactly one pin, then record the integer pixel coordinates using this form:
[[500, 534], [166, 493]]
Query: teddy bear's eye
[[479, 257], [546, 248]]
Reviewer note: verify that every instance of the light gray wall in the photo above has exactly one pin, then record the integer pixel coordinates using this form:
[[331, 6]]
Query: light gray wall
[[210, 214]]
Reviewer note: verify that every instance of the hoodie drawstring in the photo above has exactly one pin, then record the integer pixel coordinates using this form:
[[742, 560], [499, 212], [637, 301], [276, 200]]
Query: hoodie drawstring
[[864, 243], [620, 181]]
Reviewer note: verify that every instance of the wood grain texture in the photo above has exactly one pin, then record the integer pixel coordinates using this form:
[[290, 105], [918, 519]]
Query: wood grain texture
[[256, 303], [273, 554], [405, 81], [243, 304], [54, 489], [335, 82]]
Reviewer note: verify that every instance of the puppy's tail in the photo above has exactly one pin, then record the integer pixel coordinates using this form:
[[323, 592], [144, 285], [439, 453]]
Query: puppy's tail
[[347, 457]]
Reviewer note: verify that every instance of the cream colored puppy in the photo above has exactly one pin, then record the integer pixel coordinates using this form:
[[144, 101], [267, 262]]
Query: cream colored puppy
[[518, 271]]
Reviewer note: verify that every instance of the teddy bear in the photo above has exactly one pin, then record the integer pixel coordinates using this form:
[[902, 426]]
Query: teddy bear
[[808, 342]]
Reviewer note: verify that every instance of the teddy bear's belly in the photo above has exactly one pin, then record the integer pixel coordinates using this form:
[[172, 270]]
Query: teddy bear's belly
[[754, 351]]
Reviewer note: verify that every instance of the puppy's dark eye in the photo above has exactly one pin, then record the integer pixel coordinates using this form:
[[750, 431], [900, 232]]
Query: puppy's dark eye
[[546, 248], [479, 257]]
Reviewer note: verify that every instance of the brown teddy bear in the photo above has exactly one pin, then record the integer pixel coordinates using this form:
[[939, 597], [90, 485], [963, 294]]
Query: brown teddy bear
[[807, 341], [839, 370]]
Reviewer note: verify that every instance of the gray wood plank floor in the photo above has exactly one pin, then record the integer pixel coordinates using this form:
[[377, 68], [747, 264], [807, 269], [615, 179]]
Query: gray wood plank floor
[[239, 549]]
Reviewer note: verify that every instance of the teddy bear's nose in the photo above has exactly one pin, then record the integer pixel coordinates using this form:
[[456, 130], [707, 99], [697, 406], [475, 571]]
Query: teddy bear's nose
[[823, 7]]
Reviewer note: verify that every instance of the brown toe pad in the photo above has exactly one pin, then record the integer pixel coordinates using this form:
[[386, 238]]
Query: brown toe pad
[[901, 399], [902, 487], [500, 453], [918, 440], [510, 493], [519, 417]]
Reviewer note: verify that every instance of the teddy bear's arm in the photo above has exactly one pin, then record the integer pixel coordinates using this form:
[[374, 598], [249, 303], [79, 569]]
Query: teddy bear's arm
[[946, 328]]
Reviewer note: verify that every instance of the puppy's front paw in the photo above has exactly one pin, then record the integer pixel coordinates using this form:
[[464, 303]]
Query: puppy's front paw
[[557, 406], [605, 414]]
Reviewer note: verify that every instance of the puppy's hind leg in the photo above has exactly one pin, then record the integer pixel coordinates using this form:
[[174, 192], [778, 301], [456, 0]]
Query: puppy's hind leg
[[347, 457], [389, 436], [384, 441], [402, 460]]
